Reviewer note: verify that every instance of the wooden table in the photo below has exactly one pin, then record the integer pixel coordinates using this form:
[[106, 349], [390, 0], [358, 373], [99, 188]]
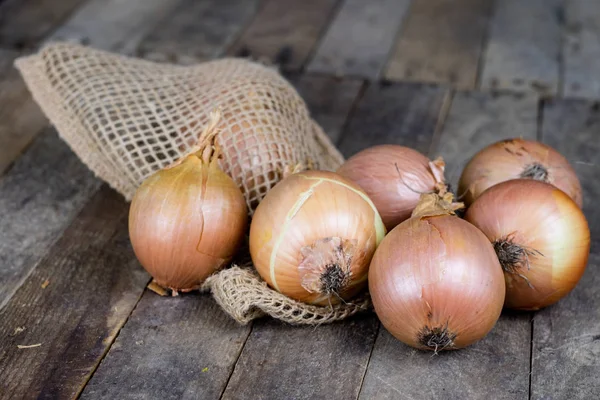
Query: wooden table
[[443, 76]]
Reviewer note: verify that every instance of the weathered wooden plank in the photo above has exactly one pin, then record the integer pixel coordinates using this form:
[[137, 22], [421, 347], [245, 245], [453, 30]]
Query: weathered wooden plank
[[287, 362], [498, 366], [285, 31], [20, 118], [329, 99], [566, 336], [39, 196], [581, 49], [476, 120], [197, 30], [483, 371], [72, 306], [24, 23], [523, 49], [115, 25], [441, 41], [329, 361], [359, 38], [171, 348], [402, 113]]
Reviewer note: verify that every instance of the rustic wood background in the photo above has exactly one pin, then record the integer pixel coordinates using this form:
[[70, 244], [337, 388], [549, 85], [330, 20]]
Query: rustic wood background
[[446, 77]]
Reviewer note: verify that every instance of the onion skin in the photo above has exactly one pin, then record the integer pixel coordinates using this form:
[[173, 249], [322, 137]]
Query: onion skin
[[512, 159], [548, 224], [186, 222], [307, 216], [436, 274], [393, 177]]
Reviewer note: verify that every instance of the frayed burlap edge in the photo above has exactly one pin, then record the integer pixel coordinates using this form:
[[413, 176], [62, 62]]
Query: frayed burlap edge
[[245, 296]]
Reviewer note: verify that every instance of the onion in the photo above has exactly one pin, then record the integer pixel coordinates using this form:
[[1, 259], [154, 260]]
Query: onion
[[187, 221], [393, 177], [515, 159], [435, 280], [313, 235], [541, 237]]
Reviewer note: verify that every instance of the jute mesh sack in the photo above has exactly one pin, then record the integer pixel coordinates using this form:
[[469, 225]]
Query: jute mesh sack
[[127, 118]]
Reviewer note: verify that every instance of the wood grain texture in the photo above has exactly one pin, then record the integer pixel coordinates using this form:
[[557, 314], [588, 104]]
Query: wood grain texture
[[39, 196], [566, 336], [402, 113], [285, 31], [288, 362], [171, 348], [115, 25], [360, 38], [523, 51], [72, 306], [581, 49], [24, 23], [476, 120], [498, 366], [197, 30], [441, 42], [21, 120], [329, 99], [494, 368]]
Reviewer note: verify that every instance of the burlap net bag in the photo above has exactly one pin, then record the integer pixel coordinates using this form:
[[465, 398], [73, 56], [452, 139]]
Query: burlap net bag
[[127, 118]]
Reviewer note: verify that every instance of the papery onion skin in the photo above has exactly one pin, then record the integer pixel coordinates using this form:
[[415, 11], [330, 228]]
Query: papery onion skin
[[551, 229], [308, 213], [393, 177], [517, 159], [186, 222], [436, 275]]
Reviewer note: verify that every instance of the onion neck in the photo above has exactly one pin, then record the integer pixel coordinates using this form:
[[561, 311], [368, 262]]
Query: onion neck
[[432, 204]]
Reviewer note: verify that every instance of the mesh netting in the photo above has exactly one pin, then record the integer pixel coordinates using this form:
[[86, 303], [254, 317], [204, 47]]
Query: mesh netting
[[245, 296], [127, 118]]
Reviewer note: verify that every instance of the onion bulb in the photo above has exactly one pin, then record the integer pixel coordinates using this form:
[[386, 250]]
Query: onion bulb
[[187, 221], [393, 177], [313, 235], [541, 237], [517, 159], [435, 281]]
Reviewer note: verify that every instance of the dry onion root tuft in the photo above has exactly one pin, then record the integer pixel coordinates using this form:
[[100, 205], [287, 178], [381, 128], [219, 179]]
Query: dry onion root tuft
[[435, 281], [313, 235], [517, 159], [188, 220]]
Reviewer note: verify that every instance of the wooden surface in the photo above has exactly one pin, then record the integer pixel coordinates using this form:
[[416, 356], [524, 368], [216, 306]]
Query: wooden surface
[[284, 32], [441, 41], [359, 38], [20, 118], [581, 49], [71, 287], [523, 50]]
